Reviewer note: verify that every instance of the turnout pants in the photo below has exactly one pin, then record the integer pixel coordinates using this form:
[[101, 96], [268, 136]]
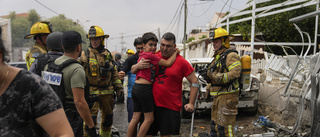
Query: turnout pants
[[105, 105], [223, 114]]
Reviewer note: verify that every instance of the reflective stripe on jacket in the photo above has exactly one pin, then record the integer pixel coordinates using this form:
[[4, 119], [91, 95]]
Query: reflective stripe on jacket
[[34, 52], [102, 81], [224, 80]]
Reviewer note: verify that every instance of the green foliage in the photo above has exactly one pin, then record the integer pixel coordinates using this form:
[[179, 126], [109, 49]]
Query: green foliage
[[203, 37], [20, 27], [62, 24], [33, 16], [277, 28], [190, 39], [12, 15]]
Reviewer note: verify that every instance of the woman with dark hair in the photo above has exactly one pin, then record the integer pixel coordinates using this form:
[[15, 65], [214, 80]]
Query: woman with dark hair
[[28, 105]]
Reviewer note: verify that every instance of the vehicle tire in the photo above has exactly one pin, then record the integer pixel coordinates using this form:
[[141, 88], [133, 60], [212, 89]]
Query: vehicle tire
[[185, 114]]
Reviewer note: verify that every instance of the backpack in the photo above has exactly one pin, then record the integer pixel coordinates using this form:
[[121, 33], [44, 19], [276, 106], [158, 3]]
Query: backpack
[[54, 76]]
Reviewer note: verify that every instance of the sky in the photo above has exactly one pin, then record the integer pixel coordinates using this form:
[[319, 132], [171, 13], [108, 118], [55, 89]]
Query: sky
[[128, 18]]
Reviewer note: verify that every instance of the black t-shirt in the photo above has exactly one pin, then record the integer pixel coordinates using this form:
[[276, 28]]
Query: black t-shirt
[[27, 98], [129, 63]]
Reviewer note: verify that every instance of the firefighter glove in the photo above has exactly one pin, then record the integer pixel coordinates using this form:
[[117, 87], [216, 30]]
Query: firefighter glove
[[217, 77]]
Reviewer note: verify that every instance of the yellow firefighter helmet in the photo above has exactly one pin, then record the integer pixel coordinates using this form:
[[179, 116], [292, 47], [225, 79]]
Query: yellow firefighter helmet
[[221, 33], [39, 28], [96, 31], [130, 51]]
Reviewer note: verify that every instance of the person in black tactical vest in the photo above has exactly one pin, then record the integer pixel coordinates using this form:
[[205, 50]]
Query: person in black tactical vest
[[72, 77], [54, 47]]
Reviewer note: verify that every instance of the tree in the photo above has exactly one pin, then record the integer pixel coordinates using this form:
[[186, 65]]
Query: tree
[[62, 24], [20, 27], [277, 28], [12, 15], [33, 16]]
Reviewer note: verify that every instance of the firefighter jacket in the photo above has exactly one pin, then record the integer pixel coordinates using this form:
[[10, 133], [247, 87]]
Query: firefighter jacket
[[224, 72], [101, 71], [34, 52]]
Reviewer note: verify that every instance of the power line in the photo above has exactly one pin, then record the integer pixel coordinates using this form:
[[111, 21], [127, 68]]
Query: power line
[[180, 5], [111, 44], [193, 7], [206, 14], [199, 3], [133, 35], [220, 13], [178, 26], [47, 7], [230, 6], [178, 18], [58, 13], [203, 12], [82, 23]]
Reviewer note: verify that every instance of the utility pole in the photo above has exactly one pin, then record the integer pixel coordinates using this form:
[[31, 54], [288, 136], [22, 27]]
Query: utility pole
[[158, 47], [253, 24], [185, 29], [122, 42]]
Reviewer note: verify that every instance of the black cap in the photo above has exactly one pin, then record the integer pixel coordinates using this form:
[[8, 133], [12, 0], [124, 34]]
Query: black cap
[[71, 38]]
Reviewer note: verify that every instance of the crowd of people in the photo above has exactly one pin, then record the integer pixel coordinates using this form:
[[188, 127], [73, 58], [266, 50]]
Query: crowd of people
[[76, 84]]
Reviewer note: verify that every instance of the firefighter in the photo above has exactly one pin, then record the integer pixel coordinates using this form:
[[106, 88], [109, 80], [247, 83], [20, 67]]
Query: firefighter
[[130, 52], [39, 31], [223, 72], [102, 77]]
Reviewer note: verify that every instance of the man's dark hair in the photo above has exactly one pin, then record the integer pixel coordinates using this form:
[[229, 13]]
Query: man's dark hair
[[169, 36], [70, 48], [137, 41], [2, 49], [149, 36]]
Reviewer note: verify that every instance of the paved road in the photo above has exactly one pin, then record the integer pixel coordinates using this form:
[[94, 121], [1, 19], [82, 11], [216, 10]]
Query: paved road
[[201, 123], [120, 122], [120, 119]]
